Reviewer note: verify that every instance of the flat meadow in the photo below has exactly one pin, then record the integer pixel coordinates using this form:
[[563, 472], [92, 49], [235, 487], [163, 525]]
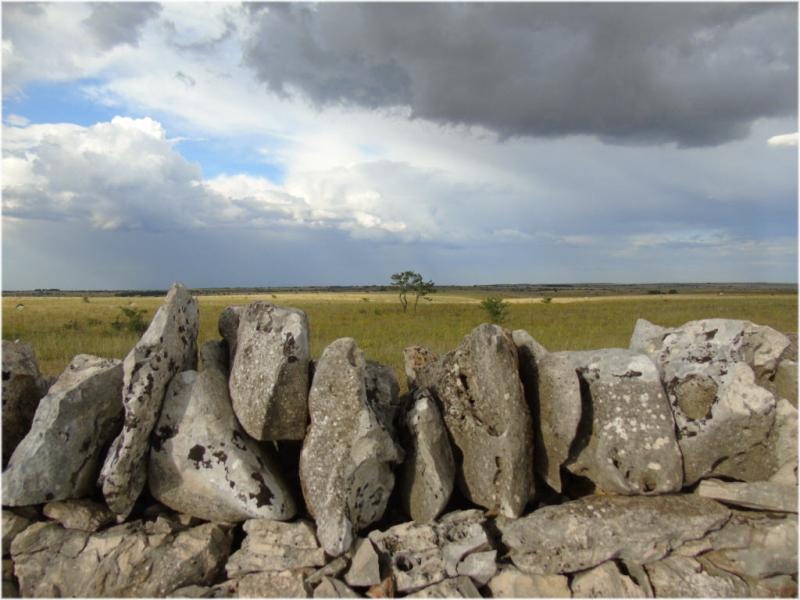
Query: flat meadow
[[61, 327]]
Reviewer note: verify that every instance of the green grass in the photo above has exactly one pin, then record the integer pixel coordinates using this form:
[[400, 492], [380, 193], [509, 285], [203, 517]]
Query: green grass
[[60, 327]]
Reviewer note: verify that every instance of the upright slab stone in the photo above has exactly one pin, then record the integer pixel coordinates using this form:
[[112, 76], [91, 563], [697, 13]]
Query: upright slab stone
[[61, 455], [169, 346], [269, 373], [228, 326], [485, 411], [414, 359], [347, 456]]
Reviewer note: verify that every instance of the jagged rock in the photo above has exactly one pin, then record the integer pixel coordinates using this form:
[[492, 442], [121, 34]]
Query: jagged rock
[[269, 372], [23, 387], [556, 414], [530, 351], [168, 346], [710, 370], [228, 326], [365, 567], [275, 546], [333, 570], [761, 495], [428, 471], [605, 581], [347, 456], [202, 464], [133, 559], [486, 413], [627, 444], [684, 577], [647, 336], [455, 587], [510, 582], [274, 584], [333, 588], [581, 534], [74, 423], [85, 515], [479, 566], [414, 359], [13, 525]]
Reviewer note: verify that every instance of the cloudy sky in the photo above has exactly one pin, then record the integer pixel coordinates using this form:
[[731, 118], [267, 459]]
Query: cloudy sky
[[299, 144]]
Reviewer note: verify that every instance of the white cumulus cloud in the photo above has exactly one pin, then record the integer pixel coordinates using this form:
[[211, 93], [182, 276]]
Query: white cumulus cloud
[[786, 139]]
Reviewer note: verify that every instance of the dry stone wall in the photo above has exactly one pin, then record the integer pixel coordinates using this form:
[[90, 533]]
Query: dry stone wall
[[668, 468]]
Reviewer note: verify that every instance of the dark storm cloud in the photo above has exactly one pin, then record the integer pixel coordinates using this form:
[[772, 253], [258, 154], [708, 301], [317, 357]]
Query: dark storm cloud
[[694, 74], [115, 23]]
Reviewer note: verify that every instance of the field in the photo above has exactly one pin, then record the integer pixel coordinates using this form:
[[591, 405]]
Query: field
[[60, 327]]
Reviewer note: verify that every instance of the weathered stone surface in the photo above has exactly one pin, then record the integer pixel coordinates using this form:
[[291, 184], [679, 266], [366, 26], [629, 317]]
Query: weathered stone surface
[[333, 569], [486, 413], [269, 373], [647, 336], [13, 525], [365, 567], [684, 577], [556, 414], [23, 387], [202, 464], [85, 515], [333, 588], [510, 582], [133, 559], [785, 381], [414, 359], [710, 370], [479, 566], [274, 584], [780, 586], [10, 587], [530, 351], [74, 423], [454, 587], [605, 581], [228, 326], [428, 472], [627, 443], [169, 346], [347, 456], [226, 589], [275, 546], [762, 495], [581, 534]]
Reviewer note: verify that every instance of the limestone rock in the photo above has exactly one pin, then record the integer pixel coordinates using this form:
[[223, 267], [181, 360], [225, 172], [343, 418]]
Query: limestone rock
[[23, 387], [333, 588], [583, 533], [479, 566], [605, 581], [455, 587], [275, 546], [414, 359], [486, 413], [74, 423], [202, 464], [684, 577], [333, 569], [365, 567], [780, 586], [269, 373], [530, 351], [347, 456], [228, 326], [274, 584], [168, 346], [761, 495], [133, 559], [513, 583], [10, 587], [226, 589], [428, 471], [13, 525], [85, 515], [785, 381], [647, 336], [630, 445]]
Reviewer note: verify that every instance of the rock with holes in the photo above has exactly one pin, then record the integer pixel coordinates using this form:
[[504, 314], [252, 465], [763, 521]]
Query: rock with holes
[[275, 546], [134, 559], [710, 370], [83, 514], [169, 346], [348, 455], [269, 372], [454, 587], [428, 471], [761, 495], [605, 581], [61, 455], [414, 359], [228, 326], [510, 582], [684, 577], [626, 443], [485, 411], [581, 534], [202, 463], [23, 387]]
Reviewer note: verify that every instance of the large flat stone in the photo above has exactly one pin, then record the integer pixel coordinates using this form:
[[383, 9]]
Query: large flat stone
[[761, 495]]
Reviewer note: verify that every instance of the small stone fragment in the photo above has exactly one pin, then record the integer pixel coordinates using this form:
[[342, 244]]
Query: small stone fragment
[[510, 582], [275, 546], [333, 588], [761, 495], [364, 568], [479, 566], [13, 525], [454, 587], [274, 584], [84, 514], [333, 570], [605, 581], [684, 577], [414, 359]]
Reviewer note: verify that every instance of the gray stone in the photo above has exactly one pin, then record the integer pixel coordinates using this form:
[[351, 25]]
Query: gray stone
[[510, 582], [684, 577], [530, 351], [780, 586], [168, 346], [85, 515], [786, 381], [365, 567], [629, 446], [414, 359], [347, 456], [581, 534], [275, 546], [228, 326], [332, 569], [486, 413], [13, 525], [605, 581], [761, 495], [333, 588], [479, 566], [274, 584], [647, 336], [556, 414], [62, 453], [23, 387], [269, 373], [202, 463], [455, 587], [428, 472], [133, 559]]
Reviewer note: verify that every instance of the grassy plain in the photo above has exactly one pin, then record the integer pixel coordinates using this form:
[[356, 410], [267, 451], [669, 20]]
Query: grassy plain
[[60, 327]]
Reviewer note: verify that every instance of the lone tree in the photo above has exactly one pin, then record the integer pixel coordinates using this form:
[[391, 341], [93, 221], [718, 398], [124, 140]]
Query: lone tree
[[411, 282], [496, 308]]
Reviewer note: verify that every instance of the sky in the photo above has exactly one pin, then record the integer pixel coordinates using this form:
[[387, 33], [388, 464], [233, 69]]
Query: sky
[[228, 144]]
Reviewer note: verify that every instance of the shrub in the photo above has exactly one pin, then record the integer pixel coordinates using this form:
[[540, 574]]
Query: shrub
[[131, 319], [546, 300], [496, 308]]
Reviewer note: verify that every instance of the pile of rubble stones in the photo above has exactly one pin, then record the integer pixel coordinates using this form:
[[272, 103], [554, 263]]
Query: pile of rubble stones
[[244, 468]]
